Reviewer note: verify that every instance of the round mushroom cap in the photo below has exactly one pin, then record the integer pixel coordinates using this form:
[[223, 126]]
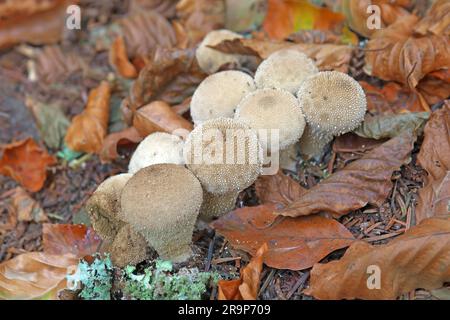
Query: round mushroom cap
[[333, 102], [162, 202], [273, 109], [158, 147], [128, 248], [216, 205], [103, 206], [219, 94], [285, 69], [211, 60], [224, 154]]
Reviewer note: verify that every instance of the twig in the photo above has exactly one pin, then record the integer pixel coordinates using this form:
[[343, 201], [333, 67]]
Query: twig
[[210, 253], [223, 260], [267, 281], [384, 236], [298, 286]]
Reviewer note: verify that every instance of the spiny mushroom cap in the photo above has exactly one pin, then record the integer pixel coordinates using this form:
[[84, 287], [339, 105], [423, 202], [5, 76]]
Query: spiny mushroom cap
[[285, 69], [224, 154], [158, 147], [128, 248], [211, 60], [273, 109], [103, 206], [333, 102], [219, 94], [216, 205]]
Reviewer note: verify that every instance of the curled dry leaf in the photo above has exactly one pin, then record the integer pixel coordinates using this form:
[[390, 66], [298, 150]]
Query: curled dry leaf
[[118, 59], [434, 157], [26, 208], [396, 54], [351, 142], [247, 287], [166, 8], [437, 20], [293, 244], [114, 140], [33, 21], [327, 56], [26, 162], [367, 180], [420, 258], [278, 189], [159, 116], [75, 239], [389, 126], [89, 128]]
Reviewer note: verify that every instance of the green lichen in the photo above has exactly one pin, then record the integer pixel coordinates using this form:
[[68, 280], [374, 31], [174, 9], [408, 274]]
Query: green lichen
[[95, 279], [160, 283]]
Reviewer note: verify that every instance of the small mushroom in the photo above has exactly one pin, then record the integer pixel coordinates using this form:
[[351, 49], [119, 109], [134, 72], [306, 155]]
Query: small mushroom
[[210, 60], [273, 109], [128, 248], [224, 154], [103, 206], [158, 147], [216, 205], [162, 202], [284, 69], [219, 94], [333, 103]]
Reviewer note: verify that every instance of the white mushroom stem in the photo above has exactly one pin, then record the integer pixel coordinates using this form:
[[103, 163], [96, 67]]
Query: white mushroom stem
[[313, 143]]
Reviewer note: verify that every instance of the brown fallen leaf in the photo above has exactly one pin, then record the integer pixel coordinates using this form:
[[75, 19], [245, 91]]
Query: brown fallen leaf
[[75, 239], [128, 136], [396, 54], [326, 56], [247, 287], [293, 243], [420, 258], [367, 180], [36, 22], [89, 128], [437, 20], [351, 142], [159, 116], [26, 162], [26, 208], [164, 7], [278, 189], [118, 59], [434, 157], [435, 86]]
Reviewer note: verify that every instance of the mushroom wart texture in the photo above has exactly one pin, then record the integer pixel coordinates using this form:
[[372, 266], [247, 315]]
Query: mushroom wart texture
[[216, 205], [271, 109], [158, 147], [210, 60], [219, 94], [285, 69], [162, 202], [224, 154]]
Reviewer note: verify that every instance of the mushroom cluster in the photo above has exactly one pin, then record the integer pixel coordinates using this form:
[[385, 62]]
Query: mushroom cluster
[[174, 182]]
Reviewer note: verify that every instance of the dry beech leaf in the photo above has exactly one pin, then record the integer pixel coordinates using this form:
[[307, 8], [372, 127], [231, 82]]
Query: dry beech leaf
[[327, 56], [159, 116], [89, 128], [118, 59], [367, 180], [76, 239], [112, 142], [396, 54], [36, 22], [293, 243], [146, 31], [26, 162], [314, 36], [435, 87], [26, 208], [35, 275], [437, 20], [247, 287], [166, 8], [420, 258], [434, 157], [278, 189], [351, 142]]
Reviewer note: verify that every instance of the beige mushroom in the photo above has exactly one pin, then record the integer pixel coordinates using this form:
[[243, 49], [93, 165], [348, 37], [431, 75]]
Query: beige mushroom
[[216, 205], [128, 247]]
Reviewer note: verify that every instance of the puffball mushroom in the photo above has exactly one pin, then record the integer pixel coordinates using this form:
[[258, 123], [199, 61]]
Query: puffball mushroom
[[158, 147], [273, 109], [162, 202], [284, 69], [224, 154], [103, 206], [216, 205], [333, 103], [128, 247], [219, 94], [210, 60]]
